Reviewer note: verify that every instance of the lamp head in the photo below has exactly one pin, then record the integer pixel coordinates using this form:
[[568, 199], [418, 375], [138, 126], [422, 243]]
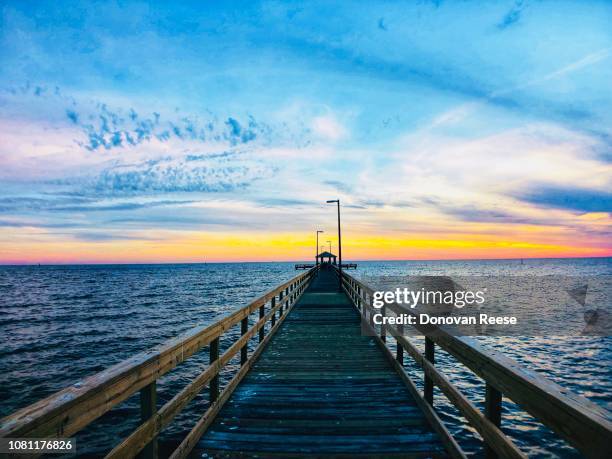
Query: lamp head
[[332, 200]]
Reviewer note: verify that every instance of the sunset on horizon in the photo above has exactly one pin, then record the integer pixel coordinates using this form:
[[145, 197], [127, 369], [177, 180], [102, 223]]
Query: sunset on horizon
[[133, 134]]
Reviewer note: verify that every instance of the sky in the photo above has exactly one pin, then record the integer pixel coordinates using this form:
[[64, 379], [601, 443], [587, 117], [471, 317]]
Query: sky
[[215, 131]]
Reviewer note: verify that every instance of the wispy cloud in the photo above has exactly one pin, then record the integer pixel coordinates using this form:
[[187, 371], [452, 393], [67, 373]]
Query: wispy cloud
[[76, 204], [577, 199], [513, 16], [178, 175]]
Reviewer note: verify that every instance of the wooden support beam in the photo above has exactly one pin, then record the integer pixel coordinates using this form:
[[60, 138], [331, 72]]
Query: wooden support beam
[[214, 382], [400, 354], [262, 330], [383, 328], [244, 328], [493, 409], [273, 302], [428, 388], [148, 409]]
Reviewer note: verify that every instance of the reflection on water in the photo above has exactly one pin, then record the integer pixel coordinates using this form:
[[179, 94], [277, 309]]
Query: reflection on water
[[60, 324]]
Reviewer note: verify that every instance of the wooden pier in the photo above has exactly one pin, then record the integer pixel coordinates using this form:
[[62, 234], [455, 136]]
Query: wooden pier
[[321, 388], [312, 265], [315, 385]]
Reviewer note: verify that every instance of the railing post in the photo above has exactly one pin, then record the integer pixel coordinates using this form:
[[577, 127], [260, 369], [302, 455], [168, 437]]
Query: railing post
[[280, 298], [383, 329], [400, 349], [493, 407], [273, 303], [400, 353], [148, 408], [244, 352], [262, 330], [214, 382], [428, 389]]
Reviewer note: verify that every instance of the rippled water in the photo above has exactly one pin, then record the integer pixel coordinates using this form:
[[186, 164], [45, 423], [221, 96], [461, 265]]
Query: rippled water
[[61, 323]]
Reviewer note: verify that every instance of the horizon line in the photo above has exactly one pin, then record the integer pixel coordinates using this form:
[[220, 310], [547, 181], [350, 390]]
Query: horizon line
[[298, 261]]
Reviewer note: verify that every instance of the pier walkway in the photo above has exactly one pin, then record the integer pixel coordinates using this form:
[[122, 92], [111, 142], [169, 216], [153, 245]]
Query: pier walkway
[[321, 388]]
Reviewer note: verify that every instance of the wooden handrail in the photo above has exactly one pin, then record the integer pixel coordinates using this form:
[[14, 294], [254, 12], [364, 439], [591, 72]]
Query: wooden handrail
[[583, 424], [70, 410]]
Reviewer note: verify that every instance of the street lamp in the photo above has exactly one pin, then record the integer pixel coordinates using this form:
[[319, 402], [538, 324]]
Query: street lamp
[[337, 201], [317, 249]]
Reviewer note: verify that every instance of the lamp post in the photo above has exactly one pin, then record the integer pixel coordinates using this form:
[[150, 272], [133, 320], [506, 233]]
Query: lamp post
[[317, 249], [337, 201]]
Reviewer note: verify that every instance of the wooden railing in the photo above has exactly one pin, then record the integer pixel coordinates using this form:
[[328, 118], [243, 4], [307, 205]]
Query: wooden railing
[[70, 410], [577, 420]]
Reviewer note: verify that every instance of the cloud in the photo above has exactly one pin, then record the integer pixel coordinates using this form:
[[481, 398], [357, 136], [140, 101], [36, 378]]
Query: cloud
[[473, 213], [328, 127], [513, 16], [77, 204], [283, 202], [108, 236], [37, 224], [576, 199], [171, 175], [579, 64], [340, 186], [105, 127], [108, 129]]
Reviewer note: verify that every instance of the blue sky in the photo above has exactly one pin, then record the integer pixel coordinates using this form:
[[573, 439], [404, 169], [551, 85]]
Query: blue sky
[[132, 124]]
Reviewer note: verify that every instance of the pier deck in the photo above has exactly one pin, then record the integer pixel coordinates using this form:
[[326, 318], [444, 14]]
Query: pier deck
[[321, 388]]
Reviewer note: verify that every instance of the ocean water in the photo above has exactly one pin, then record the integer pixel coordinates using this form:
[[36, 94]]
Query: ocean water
[[59, 324]]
